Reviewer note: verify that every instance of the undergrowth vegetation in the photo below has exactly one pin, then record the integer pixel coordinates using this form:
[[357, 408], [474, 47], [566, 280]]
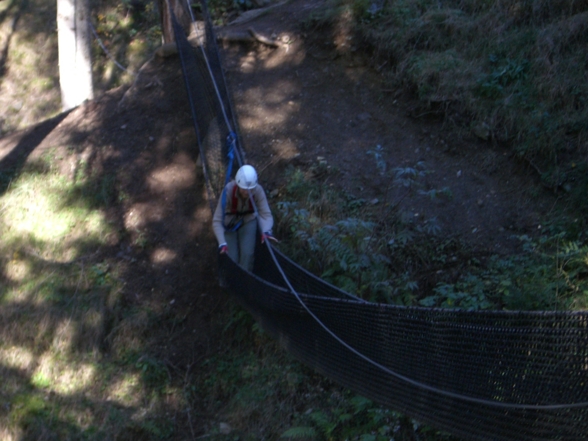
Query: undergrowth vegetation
[[124, 36], [59, 296], [382, 254], [510, 72]]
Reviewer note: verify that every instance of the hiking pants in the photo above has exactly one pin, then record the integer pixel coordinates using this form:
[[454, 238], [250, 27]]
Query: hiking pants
[[241, 244]]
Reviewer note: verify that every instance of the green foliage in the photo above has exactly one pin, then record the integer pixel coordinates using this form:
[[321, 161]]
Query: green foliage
[[375, 260], [100, 274], [551, 274], [240, 326], [300, 432], [576, 183], [449, 296], [379, 159], [386, 260], [434, 193], [297, 184], [247, 383], [221, 11], [361, 256], [366, 10], [345, 417], [128, 34], [505, 74], [348, 254], [243, 5], [153, 372], [408, 176]]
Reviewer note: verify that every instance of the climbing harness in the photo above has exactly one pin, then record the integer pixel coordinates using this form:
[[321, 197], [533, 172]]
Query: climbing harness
[[237, 220]]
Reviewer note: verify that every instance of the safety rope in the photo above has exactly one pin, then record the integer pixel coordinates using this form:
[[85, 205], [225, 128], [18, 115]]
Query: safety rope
[[222, 105], [421, 385], [106, 51]]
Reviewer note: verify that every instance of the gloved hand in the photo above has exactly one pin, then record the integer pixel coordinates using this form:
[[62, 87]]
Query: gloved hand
[[268, 236], [223, 248]]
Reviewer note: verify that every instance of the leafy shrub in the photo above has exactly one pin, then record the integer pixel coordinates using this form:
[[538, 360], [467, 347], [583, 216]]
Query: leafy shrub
[[375, 260], [346, 417], [353, 417], [382, 257]]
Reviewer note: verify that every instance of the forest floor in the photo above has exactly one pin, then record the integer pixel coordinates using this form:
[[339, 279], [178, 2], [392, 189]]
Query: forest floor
[[311, 99]]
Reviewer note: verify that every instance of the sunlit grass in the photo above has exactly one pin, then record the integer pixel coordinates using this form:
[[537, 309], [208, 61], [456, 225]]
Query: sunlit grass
[[17, 270], [29, 84], [39, 212], [62, 376], [52, 304], [16, 357], [37, 288], [126, 390]]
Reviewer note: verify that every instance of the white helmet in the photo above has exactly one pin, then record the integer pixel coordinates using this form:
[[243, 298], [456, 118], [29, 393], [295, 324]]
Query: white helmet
[[246, 177]]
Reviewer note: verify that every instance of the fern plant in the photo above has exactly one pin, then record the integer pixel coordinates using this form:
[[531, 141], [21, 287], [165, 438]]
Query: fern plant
[[300, 432], [374, 260], [346, 416]]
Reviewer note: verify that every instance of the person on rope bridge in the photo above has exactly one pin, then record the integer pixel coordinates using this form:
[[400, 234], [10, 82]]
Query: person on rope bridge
[[235, 215]]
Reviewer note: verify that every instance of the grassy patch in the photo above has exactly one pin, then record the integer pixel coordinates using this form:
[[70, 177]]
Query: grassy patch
[[27, 91], [126, 34], [252, 390], [44, 212], [60, 305]]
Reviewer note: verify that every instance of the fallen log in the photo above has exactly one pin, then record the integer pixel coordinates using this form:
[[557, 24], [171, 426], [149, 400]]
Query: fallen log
[[224, 36]]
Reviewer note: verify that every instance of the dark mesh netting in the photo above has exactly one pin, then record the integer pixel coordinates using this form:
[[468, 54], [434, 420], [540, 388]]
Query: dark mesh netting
[[214, 122], [482, 375]]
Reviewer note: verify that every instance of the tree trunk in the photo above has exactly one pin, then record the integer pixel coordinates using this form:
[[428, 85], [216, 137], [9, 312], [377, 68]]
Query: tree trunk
[[75, 61], [182, 14]]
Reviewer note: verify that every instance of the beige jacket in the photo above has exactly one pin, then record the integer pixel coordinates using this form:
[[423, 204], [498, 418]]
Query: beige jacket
[[242, 208]]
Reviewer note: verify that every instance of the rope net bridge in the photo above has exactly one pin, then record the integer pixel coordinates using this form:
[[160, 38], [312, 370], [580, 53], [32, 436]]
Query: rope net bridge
[[481, 375]]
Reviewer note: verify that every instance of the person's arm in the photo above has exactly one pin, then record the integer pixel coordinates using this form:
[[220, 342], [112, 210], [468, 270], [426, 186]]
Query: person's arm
[[217, 223], [266, 220]]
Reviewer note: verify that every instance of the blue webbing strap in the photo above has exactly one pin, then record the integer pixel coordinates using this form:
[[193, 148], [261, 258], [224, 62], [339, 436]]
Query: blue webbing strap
[[231, 144]]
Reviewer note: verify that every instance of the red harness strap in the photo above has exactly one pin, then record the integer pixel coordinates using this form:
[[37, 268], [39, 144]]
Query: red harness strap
[[235, 203]]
